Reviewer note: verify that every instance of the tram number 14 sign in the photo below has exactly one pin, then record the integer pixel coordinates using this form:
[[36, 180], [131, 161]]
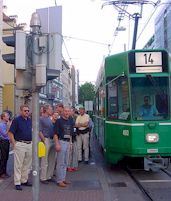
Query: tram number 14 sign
[[146, 62]]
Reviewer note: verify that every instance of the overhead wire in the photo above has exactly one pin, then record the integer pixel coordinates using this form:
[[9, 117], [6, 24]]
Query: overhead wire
[[156, 4], [86, 40], [146, 23], [67, 51]]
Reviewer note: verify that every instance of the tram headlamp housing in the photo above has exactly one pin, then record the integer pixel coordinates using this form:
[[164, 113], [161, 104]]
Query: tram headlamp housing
[[152, 137]]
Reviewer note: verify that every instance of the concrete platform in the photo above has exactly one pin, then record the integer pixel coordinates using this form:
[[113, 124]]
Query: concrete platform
[[86, 185]]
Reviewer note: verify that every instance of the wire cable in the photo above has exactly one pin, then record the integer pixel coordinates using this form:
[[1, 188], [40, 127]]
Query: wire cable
[[146, 24], [86, 40], [67, 51]]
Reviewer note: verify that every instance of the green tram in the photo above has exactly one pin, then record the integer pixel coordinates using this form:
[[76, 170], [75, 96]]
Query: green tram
[[126, 124]]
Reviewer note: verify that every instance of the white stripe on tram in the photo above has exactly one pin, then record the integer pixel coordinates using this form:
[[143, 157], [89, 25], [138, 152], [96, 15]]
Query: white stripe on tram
[[125, 124], [165, 124]]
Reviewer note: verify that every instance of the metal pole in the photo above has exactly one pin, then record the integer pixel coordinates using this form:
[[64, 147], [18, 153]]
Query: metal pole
[[136, 16], [35, 26]]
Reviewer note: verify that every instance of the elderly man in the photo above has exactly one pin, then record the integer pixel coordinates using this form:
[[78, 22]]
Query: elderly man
[[82, 124], [46, 136], [64, 129], [20, 134]]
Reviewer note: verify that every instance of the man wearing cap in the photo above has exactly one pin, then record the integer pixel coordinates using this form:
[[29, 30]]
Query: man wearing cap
[[82, 124]]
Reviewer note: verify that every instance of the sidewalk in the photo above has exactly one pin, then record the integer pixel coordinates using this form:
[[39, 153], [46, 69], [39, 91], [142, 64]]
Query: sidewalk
[[85, 186]]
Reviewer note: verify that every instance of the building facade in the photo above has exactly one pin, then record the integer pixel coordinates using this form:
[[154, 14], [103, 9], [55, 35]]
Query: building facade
[[75, 84], [56, 91], [1, 71], [162, 36], [8, 71]]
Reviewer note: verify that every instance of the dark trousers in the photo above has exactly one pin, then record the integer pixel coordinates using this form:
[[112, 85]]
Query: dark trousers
[[4, 154]]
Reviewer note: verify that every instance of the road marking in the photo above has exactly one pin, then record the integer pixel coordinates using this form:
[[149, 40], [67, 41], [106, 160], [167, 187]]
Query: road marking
[[156, 181]]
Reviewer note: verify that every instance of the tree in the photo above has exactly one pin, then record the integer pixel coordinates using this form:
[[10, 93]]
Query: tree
[[86, 92]]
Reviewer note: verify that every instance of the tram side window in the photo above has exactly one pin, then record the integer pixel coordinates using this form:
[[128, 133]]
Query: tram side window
[[96, 105], [101, 101], [112, 110], [123, 97]]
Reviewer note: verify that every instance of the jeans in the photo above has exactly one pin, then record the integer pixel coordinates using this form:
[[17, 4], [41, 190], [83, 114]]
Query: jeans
[[62, 161]]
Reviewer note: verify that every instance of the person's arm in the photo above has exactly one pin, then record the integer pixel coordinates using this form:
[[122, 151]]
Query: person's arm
[[12, 131], [42, 138], [57, 144], [155, 111], [3, 131], [11, 139], [55, 137], [141, 111]]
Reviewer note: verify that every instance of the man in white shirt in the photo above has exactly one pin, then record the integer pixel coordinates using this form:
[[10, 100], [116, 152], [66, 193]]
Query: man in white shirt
[[82, 124]]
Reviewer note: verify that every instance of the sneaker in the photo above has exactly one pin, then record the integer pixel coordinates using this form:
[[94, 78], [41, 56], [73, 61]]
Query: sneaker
[[80, 161], [70, 169], [61, 184], [18, 187], [51, 180], [85, 162], [66, 182], [75, 169], [4, 176], [26, 184], [44, 181]]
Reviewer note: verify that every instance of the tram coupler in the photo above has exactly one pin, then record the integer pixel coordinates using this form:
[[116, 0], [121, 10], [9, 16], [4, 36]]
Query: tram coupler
[[153, 164]]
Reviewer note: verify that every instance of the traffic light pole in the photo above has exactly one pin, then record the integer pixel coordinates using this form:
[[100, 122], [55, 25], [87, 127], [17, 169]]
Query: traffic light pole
[[35, 26]]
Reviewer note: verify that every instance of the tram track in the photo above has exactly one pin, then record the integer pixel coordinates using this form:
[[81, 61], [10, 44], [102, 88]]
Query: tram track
[[167, 172], [154, 189], [140, 186]]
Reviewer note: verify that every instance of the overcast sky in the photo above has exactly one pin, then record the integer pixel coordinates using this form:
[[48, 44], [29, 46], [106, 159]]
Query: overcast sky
[[88, 29]]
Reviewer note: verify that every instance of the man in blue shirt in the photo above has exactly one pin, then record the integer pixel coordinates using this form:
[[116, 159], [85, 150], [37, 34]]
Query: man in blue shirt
[[20, 134], [46, 135], [63, 130], [147, 111], [4, 145]]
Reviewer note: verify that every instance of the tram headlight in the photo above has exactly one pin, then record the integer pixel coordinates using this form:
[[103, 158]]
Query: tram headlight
[[152, 137]]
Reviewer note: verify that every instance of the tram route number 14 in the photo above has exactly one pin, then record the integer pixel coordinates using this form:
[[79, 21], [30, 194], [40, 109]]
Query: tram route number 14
[[148, 58]]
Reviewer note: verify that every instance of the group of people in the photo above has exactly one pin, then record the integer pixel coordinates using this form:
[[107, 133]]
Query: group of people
[[65, 133]]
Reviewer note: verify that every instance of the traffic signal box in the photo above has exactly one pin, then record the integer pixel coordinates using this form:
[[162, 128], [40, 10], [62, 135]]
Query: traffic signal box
[[9, 41], [18, 41], [22, 57]]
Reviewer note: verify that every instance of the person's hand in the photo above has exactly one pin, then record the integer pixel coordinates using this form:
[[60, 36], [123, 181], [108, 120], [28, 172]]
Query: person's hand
[[57, 147], [43, 139], [13, 144]]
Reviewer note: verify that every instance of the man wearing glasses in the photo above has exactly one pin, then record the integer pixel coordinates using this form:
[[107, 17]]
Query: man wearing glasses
[[20, 135]]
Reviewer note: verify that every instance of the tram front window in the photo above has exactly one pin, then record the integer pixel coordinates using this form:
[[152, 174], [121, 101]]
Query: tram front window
[[149, 98]]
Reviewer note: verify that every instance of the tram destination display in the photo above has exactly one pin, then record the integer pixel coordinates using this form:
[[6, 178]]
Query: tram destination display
[[148, 62]]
